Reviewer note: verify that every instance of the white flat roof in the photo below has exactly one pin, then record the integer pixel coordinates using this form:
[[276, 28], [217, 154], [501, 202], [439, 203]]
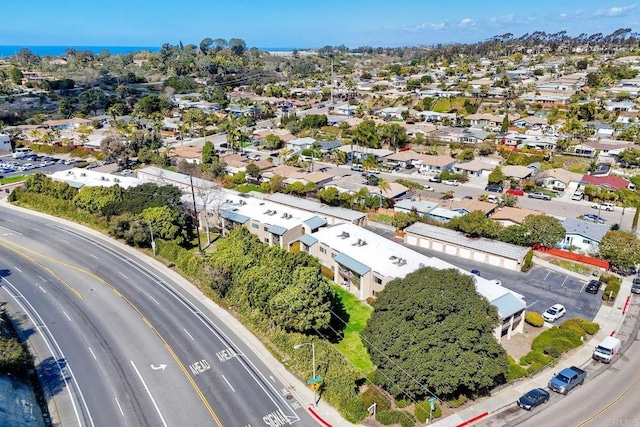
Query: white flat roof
[[93, 178]]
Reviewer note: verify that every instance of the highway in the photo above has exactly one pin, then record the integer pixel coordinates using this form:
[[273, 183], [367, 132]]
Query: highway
[[120, 344]]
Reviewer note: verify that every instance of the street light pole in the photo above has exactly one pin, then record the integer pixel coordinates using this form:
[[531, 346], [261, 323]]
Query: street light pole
[[153, 242], [313, 360]]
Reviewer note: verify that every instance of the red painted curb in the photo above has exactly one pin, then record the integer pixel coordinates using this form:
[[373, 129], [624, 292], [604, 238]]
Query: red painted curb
[[612, 333], [626, 304], [323, 422], [471, 420]]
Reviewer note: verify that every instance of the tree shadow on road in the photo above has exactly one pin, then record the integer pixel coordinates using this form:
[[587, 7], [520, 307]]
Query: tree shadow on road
[[52, 374]]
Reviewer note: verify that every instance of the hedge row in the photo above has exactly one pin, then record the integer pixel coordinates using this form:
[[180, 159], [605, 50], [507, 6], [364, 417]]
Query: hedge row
[[528, 262], [613, 287], [534, 319]]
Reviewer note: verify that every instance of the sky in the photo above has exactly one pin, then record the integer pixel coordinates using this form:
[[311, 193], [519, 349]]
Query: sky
[[302, 23]]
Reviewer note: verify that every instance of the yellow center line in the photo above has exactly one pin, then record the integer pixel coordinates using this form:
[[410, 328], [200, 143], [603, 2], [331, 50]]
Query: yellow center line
[[613, 402], [119, 294]]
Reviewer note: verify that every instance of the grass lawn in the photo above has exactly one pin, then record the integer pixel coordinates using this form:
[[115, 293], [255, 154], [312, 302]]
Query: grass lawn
[[447, 104], [12, 179], [351, 345], [245, 188]]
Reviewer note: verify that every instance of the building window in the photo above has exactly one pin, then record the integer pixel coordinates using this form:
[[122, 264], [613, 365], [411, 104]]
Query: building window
[[266, 228], [373, 293], [254, 225], [377, 280], [586, 242], [323, 250], [266, 240]]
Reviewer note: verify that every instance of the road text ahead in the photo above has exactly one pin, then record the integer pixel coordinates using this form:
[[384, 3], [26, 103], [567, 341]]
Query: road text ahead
[[199, 367], [275, 419], [226, 354]]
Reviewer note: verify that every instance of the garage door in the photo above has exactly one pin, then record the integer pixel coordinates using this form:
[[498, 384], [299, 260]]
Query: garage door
[[511, 264], [425, 243], [494, 260], [465, 253], [479, 256], [437, 246], [451, 250], [412, 240]]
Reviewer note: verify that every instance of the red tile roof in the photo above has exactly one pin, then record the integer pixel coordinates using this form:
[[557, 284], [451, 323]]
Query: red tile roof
[[610, 181]]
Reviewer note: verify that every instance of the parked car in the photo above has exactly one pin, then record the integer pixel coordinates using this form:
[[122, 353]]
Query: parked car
[[554, 312], [357, 167], [453, 182], [593, 286], [567, 379], [533, 398], [428, 188], [539, 195], [515, 191], [635, 286], [578, 195], [435, 178], [475, 271], [594, 218], [493, 188], [603, 206], [410, 166], [492, 198], [623, 271]]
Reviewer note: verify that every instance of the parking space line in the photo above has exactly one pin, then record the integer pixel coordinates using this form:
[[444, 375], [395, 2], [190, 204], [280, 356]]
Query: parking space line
[[565, 280], [583, 286], [545, 277], [535, 302]]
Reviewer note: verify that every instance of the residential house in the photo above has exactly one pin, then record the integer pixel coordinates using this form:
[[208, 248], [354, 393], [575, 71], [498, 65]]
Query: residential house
[[609, 182], [421, 207], [557, 179], [434, 164], [353, 184], [532, 122], [391, 112], [475, 167], [328, 146], [357, 153], [488, 120], [512, 216], [345, 110], [517, 171], [402, 158], [364, 262], [300, 144], [320, 179], [66, 124], [626, 106], [583, 235]]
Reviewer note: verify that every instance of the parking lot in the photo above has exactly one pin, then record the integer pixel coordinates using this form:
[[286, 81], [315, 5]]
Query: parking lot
[[10, 166], [540, 286]]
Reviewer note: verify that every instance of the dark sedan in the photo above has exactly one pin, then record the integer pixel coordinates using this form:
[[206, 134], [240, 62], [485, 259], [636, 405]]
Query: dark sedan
[[533, 398], [593, 287]]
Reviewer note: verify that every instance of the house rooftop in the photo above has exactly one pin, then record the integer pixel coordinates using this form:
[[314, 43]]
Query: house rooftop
[[584, 228]]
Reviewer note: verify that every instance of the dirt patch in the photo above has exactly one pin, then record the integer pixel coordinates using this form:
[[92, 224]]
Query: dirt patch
[[520, 344]]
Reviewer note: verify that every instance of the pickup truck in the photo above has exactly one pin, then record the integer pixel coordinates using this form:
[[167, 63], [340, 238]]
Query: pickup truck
[[567, 379], [539, 195]]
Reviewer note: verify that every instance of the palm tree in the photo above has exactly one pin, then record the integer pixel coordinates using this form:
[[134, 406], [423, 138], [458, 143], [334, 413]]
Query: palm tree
[[369, 162], [36, 134], [384, 187]]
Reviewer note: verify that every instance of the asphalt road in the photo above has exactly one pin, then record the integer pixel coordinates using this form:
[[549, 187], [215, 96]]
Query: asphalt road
[[540, 287], [140, 349], [609, 396]]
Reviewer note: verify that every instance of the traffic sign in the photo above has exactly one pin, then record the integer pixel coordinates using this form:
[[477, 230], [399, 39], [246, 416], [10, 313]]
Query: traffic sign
[[314, 386], [314, 380]]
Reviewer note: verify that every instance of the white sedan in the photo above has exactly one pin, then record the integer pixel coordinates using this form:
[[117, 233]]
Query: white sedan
[[453, 182]]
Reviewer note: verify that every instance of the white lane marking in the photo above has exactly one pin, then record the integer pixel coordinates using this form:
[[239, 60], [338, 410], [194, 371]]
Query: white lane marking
[[36, 229], [564, 281], [119, 407], [123, 275], [187, 332], [10, 230], [42, 289], [9, 220], [92, 353], [584, 285], [149, 393], [51, 342], [545, 277], [65, 313], [535, 302], [66, 241], [94, 256], [152, 298], [17, 269], [229, 384]]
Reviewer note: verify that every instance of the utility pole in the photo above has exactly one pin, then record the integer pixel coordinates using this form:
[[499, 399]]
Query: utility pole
[[332, 81], [195, 210]]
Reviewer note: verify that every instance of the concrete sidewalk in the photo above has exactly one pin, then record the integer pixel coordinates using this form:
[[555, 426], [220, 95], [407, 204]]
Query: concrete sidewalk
[[612, 321]]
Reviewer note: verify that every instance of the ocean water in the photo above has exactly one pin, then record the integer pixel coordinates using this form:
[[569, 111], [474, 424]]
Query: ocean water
[[6, 51]]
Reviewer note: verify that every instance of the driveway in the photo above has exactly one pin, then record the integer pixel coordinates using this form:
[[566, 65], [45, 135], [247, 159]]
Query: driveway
[[540, 286]]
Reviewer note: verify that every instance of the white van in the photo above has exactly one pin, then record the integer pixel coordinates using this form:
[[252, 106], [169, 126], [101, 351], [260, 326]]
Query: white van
[[608, 348], [21, 152]]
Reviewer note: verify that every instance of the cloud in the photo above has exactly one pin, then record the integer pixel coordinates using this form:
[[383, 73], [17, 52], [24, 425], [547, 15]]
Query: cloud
[[429, 26], [466, 23], [615, 11]]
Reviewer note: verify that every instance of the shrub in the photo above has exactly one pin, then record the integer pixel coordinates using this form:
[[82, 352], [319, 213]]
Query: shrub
[[403, 403], [534, 319], [589, 327], [374, 395], [454, 403], [611, 290], [410, 184], [553, 352], [528, 262], [403, 418], [534, 357], [423, 410], [573, 325], [515, 371]]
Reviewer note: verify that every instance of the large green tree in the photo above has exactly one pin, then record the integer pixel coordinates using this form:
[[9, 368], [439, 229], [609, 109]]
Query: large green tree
[[366, 134], [543, 230], [621, 248], [431, 332]]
